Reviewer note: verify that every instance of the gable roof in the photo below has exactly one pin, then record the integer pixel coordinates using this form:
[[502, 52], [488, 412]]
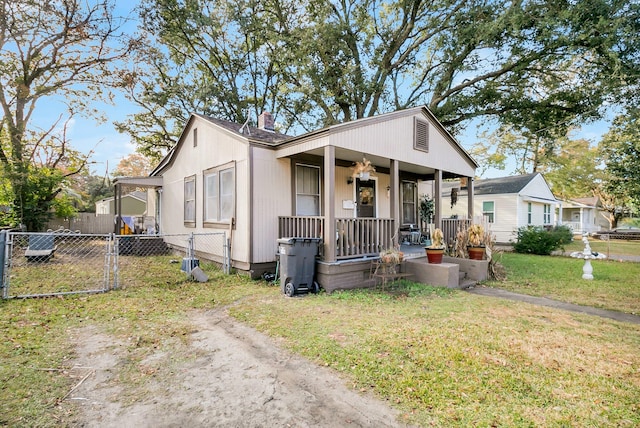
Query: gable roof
[[254, 135], [589, 202], [502, 185], [251, 133], [246, 133]]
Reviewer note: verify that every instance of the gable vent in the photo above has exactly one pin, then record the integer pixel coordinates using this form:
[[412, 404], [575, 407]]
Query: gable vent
[[421, 135]]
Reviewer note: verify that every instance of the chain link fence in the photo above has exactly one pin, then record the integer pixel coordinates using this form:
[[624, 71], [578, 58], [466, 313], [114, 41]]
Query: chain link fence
[[205, 250], [62, 262]]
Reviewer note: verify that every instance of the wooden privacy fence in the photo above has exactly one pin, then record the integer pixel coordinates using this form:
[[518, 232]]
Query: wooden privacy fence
[[88, 223]]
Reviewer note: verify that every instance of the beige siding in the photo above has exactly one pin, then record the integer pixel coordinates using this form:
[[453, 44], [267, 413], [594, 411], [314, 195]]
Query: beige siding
[[391, 137], [271, 199], [215, 148]]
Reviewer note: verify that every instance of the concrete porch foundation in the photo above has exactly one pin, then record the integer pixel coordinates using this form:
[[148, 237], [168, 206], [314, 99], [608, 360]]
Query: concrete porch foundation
[[344, 275], [452, 273], [443, 274]]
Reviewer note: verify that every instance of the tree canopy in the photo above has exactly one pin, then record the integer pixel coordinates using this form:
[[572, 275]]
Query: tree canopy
[[537, 66], [62, 48], [621, 154]]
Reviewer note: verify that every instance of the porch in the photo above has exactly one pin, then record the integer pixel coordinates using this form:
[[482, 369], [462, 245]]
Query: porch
[[364, 237]]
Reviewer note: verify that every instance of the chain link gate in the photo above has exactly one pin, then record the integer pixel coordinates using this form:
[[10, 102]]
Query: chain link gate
[[187, 250], [55, 263]]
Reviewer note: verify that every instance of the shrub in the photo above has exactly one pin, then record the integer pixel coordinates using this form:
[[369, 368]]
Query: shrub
[[539, 240]]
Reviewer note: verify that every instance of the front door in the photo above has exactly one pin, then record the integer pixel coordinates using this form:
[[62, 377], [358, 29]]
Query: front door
[[366, 197]]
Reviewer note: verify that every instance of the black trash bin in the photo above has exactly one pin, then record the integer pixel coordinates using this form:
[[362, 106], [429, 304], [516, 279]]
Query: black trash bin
[[298, 265]]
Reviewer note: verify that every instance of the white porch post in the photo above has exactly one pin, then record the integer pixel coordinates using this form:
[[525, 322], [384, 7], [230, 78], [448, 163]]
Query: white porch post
[[394, 198], [559, 220], [329, 232], [470, 198], [437, 197]]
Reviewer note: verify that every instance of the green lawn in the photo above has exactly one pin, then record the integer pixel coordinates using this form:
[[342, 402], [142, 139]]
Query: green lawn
[[613, 247], [615, 285], [442, 357]]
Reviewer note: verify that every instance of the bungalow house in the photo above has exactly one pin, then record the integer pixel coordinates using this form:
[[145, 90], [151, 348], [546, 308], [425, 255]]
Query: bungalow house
[[261, 185], [505, 203], [584, 215]]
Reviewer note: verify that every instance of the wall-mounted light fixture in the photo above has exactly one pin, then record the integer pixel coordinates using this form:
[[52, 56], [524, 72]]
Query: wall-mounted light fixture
[[350, 180], [388, 191]]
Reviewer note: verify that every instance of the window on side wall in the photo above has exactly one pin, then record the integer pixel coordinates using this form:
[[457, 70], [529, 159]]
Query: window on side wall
[[307, 190], [190, 200], [488, 211], [529, 213], [219, 194], [547, 214]]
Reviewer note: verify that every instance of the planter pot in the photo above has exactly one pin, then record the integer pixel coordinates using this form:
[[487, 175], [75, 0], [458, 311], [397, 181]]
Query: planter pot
[[434, 255], [476, 253]]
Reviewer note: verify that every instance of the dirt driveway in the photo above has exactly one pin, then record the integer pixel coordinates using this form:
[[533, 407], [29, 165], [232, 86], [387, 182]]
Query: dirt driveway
[[239, 378]]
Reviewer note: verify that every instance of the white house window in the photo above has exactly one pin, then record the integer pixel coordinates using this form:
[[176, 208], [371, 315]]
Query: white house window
[[547, 214], [488, 211], [529, 214], [219, 192], [307, 190], [195, 137], [190, 199]]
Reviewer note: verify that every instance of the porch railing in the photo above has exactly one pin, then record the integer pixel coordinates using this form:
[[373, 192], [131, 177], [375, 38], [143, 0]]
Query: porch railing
[[450, 227], [300, 227], [355, 237]]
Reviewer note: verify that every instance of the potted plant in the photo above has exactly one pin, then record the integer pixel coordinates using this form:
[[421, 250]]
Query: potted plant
[[435, 251], [475, 236], [426, 209]]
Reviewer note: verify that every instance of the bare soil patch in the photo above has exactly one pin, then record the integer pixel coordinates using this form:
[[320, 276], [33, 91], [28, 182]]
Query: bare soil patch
[[235, 377]]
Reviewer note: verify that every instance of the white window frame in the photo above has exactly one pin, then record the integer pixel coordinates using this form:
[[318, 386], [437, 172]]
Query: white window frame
[[299, 193], [547, 214], [219, 193], [529, 213], [485, 214], [189, 190]]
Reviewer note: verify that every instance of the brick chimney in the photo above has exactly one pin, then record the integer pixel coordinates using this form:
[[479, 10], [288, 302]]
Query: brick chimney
[[265, 122]]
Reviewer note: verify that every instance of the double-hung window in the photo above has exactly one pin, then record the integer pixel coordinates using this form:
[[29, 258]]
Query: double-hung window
[[488, 211], [190, 200], [547, 214], [219, 194], [307, 190], [529, 213]]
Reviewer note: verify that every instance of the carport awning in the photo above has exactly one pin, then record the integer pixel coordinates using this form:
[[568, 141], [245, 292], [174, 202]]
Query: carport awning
[[139, 181]]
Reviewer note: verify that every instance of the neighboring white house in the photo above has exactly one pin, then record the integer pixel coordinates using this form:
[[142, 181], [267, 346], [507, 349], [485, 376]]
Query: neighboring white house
[[261, 185], [584, 215], [133, 204], [505, 203]]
